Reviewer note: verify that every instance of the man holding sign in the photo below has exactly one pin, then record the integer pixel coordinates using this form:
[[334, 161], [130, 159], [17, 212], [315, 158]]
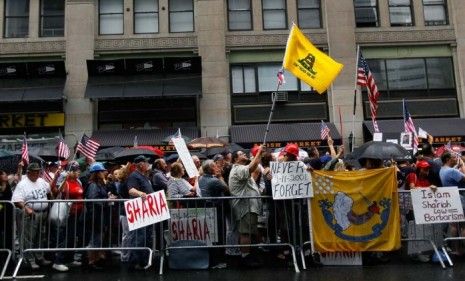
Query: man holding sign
[[139, 185], [246, 211]]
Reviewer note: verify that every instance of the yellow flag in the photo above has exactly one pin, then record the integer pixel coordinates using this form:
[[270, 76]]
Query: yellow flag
[[355, 211], [308, 63]]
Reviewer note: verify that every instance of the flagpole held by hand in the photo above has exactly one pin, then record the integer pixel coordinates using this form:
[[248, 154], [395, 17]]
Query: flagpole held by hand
[[273, 97]]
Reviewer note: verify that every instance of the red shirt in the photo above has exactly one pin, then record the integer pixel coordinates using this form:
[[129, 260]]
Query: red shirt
[[419, 182], [75, 191]]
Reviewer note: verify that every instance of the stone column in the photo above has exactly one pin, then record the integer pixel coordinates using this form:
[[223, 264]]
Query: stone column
[[458, 20], [34, 18], [210, 27], [340, 26], [80, 32]]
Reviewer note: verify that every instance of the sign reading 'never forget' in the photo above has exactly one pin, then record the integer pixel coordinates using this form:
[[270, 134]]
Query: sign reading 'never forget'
[[290, 180]]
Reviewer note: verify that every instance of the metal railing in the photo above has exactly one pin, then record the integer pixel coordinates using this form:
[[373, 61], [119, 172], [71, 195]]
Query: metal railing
[[7, 233]]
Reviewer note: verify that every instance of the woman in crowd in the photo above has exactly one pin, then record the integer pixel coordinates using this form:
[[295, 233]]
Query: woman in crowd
[[6, 215], [97, 213], [177, 186], [71, 232]]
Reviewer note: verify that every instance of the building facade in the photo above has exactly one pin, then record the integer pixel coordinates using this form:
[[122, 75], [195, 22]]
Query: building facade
[[148, 67]]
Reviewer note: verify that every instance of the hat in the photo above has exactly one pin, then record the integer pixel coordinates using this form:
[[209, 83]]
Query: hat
[[292, 148], [33, 167], [254, 150], [172, 158], [422, 164], [97, 167], [73, 166], [325, 159], [140, 158]]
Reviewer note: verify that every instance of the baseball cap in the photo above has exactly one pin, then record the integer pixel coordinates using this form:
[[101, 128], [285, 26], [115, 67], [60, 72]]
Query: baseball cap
[[140, 158], [33, 167], [254, 150], [292, 148], [73, 166]]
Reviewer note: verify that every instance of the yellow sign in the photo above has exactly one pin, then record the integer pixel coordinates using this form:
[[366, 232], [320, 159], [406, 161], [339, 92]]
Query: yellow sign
[[30, 120], [355, 211], [308, 63]]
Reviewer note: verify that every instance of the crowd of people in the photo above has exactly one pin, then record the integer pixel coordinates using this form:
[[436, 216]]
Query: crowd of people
[[238, 173]]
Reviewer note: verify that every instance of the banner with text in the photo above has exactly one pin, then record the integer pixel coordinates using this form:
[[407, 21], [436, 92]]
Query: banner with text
[[290, 180], [142, 212], [440, 206], [185, 157], [194, 224]]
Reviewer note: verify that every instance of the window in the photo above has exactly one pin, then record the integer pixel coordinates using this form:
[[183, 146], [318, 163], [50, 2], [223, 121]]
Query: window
[[16, 18], [400, 12], [274, 14], [239, 15], [52, 18], [243, 79], [366, 13], [145, 16], [435, 12], [181, 15], [111, 17], [309, 13]]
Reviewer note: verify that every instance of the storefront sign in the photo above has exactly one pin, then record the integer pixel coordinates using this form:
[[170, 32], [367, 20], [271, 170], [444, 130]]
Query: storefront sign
[[448, 139], [299, 143], [29, 120], [440, 206]]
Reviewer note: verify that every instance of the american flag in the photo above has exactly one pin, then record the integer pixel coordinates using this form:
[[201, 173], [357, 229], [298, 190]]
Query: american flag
[[324, 131], [365, 79], [280, 75], [409, 127], [46, 176], [88, 147], [62, 149], [25, 152]]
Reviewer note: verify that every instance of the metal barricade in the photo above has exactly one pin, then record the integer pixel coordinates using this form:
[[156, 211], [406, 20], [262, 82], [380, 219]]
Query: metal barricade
[[7, 234], [277, 225], [457, 227], [90, 226]]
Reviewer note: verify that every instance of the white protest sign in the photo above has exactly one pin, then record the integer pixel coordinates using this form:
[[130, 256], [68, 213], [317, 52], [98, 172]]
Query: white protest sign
[[194, 224], [422, 133], [142, 212], [377, 136], [290, 180], [396, 141], [185, 157], [437, 207]]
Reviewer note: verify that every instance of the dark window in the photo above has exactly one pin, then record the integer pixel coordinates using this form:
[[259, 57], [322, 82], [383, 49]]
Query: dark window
[[400, 12], [145, 16], [274, 14], [239, 15], [435, 12], [16, 23], [110, 17], [52, 18], [309, 13], [366, 13], [181, 15]]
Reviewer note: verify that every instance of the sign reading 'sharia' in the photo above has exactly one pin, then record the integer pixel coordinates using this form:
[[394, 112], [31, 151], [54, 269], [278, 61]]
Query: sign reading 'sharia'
[[355, 211]]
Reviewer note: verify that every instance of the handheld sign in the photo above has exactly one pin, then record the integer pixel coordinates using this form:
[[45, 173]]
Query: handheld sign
[[437, 207], [290, 180], [194, 224], [186, 157], [142, 212]]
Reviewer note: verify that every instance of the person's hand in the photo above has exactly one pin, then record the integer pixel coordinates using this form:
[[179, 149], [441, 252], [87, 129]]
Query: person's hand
[[330, 141], [29, 211], [433, 188], [267, 173], [21, 164], [143, 195]]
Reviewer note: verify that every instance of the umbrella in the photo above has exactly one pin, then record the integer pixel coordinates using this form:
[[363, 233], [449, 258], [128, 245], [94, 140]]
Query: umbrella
[[47, 153], [380, 150], [130, 153], [167, 140], [454, 148], [206, 142], [108, 154], [4, 153], [155, 150], [234, 147], [9, 163]]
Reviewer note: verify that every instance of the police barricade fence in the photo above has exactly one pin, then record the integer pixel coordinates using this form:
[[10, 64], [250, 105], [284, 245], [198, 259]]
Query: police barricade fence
[[68, 231], [7, 235], [223, 224]]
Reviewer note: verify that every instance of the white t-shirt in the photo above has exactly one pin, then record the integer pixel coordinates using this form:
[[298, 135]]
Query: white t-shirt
[[27, 190]]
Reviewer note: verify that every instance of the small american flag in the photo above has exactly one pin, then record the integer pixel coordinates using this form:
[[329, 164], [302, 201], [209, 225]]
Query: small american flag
[[409, 127], [281, 79], [324, 131], [365, 79], [46, 176], [62, 149], [88, 147], [25, 152]]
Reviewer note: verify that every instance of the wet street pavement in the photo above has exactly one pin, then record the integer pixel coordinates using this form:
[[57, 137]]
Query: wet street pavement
[[396, 270]]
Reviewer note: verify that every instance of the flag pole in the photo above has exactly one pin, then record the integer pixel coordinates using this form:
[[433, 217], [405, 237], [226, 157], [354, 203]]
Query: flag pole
[[403, 112], [352, 133], [271, 113]]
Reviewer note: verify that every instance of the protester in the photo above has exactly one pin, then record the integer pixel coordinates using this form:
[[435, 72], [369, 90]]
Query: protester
[[121, 178], [177, 186], [139, 185], [6, 216], [160, 178], [32, 187], [97, 213], [245, 210]]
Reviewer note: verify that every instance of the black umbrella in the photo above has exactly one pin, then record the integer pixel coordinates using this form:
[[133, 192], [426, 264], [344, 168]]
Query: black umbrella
[[9, 163], [108, 154], [130, 153], [47, 153], [380, 150]]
